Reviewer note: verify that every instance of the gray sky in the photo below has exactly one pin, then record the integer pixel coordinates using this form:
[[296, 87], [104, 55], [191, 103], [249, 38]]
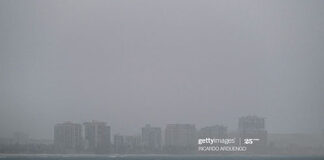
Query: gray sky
[[135, 62]]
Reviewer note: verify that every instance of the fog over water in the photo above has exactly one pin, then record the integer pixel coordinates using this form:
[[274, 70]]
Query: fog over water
[[134, 62]]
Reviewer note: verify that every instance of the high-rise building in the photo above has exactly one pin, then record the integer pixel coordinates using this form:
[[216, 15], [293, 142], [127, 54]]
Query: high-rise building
[[253, 127], [119, 146], [67, 136], [216, 131], [180, 137], [97, 136], [151, 138]]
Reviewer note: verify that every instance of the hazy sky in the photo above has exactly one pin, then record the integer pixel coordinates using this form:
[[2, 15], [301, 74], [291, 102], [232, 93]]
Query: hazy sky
[[135, 62]]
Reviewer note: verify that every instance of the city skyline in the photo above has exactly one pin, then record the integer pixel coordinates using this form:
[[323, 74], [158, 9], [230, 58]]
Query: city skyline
[[96, 137], [163, 127]]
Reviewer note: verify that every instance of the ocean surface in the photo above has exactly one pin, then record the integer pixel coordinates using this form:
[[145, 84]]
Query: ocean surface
[[154, 157]]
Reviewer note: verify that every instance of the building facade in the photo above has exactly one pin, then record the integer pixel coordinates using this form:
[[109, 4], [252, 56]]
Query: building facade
[[68, 137], [97, 136], [151, 139], [119, 146]]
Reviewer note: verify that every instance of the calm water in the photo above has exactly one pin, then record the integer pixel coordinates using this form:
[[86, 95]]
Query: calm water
[[157, 157]]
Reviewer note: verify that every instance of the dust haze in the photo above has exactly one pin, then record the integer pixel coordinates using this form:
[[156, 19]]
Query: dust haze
[[131, 63]]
